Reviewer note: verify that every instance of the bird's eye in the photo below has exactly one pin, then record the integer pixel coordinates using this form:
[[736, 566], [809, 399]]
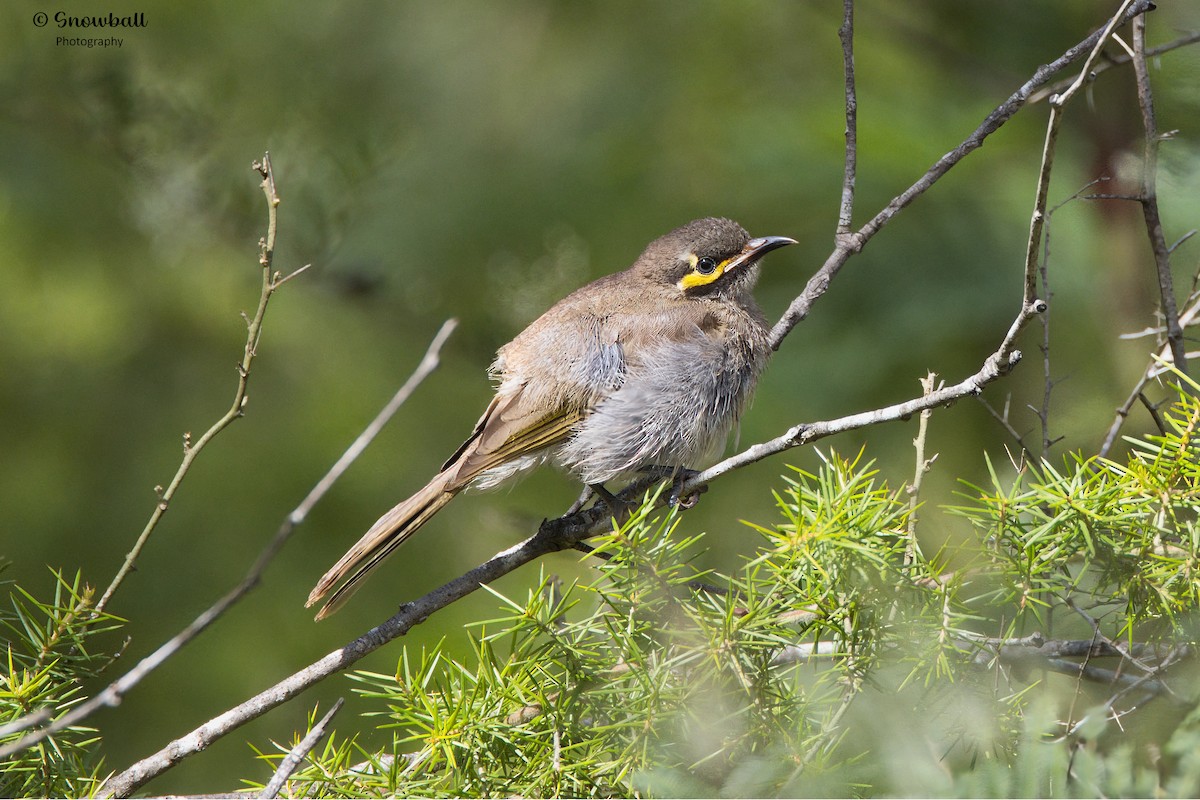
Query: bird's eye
[[706, 266]]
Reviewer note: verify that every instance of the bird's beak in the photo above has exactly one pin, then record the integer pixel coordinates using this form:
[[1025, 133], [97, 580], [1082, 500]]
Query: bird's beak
[[756, 249]]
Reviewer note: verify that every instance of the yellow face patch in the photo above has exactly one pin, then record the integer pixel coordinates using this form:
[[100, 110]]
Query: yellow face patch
[[703, 272]]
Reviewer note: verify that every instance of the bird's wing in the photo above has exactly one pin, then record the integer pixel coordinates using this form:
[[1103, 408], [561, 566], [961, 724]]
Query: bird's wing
[[508, 431], [551, 377]]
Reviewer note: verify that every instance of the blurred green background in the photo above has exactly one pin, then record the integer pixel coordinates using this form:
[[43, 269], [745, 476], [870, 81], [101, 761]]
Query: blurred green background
[[480, 160]]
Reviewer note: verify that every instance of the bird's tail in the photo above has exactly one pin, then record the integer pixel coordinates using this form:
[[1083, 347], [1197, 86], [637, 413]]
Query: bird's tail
[[378, 543]]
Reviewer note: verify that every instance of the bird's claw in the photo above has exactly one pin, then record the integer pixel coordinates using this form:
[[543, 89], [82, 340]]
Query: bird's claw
[[676, 497]]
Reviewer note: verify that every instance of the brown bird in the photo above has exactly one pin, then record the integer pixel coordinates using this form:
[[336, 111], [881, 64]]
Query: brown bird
[[651, 366]]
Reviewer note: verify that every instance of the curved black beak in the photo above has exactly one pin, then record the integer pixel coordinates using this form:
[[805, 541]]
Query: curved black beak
[[757, 248]]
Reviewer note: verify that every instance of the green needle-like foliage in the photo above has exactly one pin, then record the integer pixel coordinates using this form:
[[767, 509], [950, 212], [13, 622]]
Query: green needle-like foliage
[[1041, 657], [47, 658], [1047, 649]]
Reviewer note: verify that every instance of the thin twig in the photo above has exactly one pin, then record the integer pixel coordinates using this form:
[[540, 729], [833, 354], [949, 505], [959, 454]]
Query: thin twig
[[1149, 683], [828, 738], [1038, 220], [995, 366], [1057, 105], [1104, 675], [1048, 383], [1003, 418], [1115, 61], [846, 34], [922, 466], [270, 282], [1149, 194], [299, 753], [33, 720], [854, 242], [1157, 365], [1098, 632], [112, 694], [429, 362]]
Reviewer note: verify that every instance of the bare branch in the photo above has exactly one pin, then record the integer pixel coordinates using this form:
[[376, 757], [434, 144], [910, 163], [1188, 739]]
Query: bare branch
[[253, 332], [995, 366], [846, 34], [429, 362], [1098, 632], [1057, 104], [1115, 61], [854, 242], [922, 466], [299, 753], [112, 694], [1035, 651], [1157, 365], [1018, 437], [1149, 196], [552, 536], [280, 281]]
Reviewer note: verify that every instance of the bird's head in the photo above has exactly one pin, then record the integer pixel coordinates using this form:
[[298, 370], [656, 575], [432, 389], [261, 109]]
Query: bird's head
[[707, 257]]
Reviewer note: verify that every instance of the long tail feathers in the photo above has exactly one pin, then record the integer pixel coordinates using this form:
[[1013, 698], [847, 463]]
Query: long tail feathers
[[379, 542]]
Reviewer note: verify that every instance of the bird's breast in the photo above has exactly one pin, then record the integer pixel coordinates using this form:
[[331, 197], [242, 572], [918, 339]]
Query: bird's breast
[[682, 391]]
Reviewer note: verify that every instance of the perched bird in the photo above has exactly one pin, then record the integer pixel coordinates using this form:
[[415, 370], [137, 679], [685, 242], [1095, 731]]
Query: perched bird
[[651, 366]]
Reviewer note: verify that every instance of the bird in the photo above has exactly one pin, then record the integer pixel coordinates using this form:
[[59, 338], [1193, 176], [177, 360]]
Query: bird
[[648, 367]]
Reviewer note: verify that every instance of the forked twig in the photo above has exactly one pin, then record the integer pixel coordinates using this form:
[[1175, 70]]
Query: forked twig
[[111, 695], [299, 753], [254, 325]]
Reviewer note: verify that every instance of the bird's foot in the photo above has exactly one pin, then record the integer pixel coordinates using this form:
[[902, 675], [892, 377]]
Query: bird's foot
[[677, 497], [679, 476]]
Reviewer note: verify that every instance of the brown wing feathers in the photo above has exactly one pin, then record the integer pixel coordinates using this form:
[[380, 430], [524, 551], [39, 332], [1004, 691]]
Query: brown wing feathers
[[496, 440]]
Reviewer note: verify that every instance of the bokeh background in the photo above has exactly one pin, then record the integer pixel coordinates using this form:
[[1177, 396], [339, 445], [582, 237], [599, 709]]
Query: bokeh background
[[480, 160]]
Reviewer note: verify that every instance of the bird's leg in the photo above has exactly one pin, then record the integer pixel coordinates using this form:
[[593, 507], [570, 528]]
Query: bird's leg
[[619, 508], [659, 472], [679, 476], [584, 496]]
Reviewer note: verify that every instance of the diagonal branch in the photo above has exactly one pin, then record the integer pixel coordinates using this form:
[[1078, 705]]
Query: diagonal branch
[[552, 536], [1119, 60], [1159, 363], [994, 367], [1039, 234], [111, 695], [852, 243], [298, 753]]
